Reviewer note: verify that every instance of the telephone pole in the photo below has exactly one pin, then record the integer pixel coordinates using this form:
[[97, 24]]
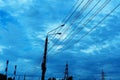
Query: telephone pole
[[43, 65]]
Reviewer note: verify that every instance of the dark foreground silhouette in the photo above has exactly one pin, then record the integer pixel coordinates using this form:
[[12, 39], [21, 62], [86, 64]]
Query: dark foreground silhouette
[[4, 77]]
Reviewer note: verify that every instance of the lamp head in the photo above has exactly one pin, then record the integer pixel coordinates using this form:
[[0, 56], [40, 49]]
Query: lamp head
[[59, 33]]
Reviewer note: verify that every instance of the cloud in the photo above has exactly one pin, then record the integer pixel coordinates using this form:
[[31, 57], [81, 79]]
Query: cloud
[[25, 24], [2, 66], [15, 7], [112, 42], [2, 49]]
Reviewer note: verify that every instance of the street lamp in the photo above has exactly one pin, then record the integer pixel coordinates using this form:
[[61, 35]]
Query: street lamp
[[43, 65]]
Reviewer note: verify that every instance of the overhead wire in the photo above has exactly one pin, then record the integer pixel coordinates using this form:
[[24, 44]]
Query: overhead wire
[[86, 22], [76, 17], [79, 22], [69, 17], [96, 24], [85, 16], [66, 18], [105, 3], [73, 11]]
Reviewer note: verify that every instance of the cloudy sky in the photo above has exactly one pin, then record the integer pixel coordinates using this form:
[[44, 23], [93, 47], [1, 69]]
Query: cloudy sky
[[24, 25]]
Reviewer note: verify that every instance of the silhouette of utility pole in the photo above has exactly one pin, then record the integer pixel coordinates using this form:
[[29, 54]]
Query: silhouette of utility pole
[[15, 72], [66, 72], [43, 65], [6, 69], [103, 75]]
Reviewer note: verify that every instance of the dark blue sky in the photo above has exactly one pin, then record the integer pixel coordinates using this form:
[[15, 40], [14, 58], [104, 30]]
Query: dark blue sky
[[24, 25]]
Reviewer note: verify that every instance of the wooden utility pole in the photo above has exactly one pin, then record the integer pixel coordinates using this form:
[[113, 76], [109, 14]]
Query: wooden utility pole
[[43, 65]]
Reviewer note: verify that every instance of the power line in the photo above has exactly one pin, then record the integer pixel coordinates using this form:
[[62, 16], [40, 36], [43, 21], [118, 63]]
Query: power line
[[84, 17], [88, 20], [98, 10], [80, 12], [67, 17], [64, 20], [93, 15], [96, 24], [76, 17], [74, 11]]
